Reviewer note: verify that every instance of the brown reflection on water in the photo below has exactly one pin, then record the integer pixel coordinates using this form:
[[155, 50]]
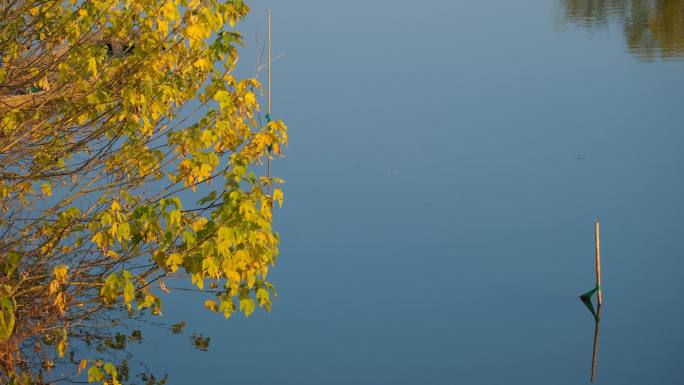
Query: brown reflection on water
[[653, 29], [597, 322]]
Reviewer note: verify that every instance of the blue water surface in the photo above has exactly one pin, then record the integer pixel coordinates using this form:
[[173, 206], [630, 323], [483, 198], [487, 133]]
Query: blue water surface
[[447, 161]]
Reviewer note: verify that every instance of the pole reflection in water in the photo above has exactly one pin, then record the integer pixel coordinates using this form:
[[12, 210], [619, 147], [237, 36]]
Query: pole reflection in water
[[597, 322]]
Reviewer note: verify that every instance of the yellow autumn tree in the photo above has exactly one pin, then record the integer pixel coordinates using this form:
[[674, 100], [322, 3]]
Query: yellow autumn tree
[[128, 153]]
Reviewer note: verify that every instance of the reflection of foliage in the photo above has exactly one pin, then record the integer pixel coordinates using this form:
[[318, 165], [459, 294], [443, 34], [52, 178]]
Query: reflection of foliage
[[178, 328], [201, 342], [135, 337], [593, 12], [652, 28], [151, 380]]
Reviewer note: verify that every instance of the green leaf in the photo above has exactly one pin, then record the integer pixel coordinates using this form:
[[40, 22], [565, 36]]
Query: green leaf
[[6, 318], [11, 263], [209, 198], [106, 218], [128, 292], [174, 218], [124, 231], [190, 239]]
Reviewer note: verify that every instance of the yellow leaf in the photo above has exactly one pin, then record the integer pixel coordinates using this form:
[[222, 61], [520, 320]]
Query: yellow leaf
[[82, 365], [233, 276], [198, 280], [223, 97], [278, 196], [210, 266], [173, 261], [162, 26], [211, 305], [82, 119], [92, 66], [46, 189], [54, 286], [100, 239], [60, 302], [202, 63], [250, 98], [199, 224], [251, 278], [247, 306], [194, 33], [60, 273], [169, 11], [62, 344]]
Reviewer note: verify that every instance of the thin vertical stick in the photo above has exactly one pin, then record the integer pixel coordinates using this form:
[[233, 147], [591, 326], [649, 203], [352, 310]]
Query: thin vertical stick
[[268, 90], [598, 262], [269, 62]]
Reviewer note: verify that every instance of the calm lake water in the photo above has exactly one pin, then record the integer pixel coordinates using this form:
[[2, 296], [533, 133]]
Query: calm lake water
[[447, 162]]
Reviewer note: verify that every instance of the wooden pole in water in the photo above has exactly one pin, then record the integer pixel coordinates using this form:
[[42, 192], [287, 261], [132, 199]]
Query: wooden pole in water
[[268, 92], [598, 262]]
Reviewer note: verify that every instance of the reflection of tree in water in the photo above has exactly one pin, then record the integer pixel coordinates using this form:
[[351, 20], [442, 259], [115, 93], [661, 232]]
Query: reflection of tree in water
[[652, 28]]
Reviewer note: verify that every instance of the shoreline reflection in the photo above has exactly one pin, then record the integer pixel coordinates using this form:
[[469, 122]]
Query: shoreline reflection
[[653, 29]]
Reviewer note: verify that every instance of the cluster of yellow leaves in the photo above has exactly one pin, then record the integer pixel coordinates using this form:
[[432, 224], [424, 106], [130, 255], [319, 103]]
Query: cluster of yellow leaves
[[62, 343], [59, 279]]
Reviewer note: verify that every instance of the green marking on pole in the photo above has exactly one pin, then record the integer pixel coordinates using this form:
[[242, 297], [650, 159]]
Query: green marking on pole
[[590, 293]]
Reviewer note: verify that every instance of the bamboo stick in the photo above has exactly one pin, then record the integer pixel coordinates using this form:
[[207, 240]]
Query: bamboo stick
[[269, 62], [268, 91]]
